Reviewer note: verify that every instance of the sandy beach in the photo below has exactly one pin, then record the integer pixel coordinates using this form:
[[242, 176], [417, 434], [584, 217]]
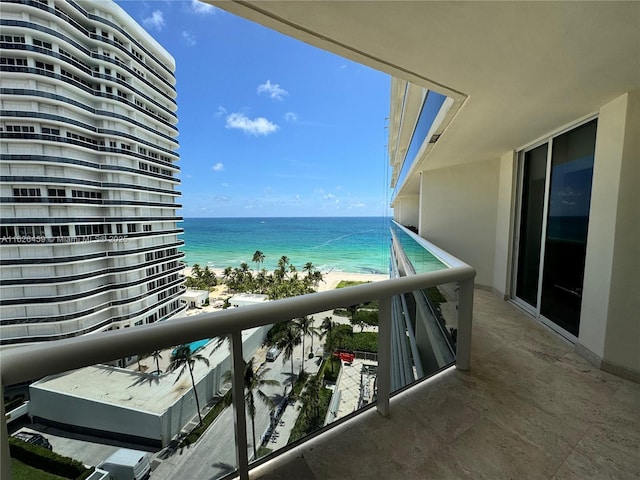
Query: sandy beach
[[331, 279]]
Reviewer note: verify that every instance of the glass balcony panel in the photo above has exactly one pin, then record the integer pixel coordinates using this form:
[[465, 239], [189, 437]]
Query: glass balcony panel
[[424, 322], [323, 375], [147, 402]]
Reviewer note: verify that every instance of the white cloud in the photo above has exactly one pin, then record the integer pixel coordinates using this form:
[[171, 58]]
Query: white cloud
[[156, 20], [221, 111], [357, 205], [225, 185], [272, 89], [202, 8], [189, 38], [256, 126], [291, 117], [218, 167], [329, 196]]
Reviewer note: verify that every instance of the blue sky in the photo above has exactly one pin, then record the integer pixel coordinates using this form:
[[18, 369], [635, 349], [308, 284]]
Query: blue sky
[[269, 126]]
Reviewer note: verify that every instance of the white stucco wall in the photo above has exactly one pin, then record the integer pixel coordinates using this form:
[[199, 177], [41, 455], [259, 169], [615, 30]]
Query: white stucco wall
[[459, 213], [611, 219], [504, 224], [406, 210], [622, 345], [76, 411]]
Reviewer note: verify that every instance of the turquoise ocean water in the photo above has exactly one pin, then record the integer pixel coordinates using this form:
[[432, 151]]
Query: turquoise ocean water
[[353, 244]]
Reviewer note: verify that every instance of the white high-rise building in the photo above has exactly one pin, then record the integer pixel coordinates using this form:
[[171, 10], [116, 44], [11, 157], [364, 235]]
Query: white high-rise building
[[88, 172]]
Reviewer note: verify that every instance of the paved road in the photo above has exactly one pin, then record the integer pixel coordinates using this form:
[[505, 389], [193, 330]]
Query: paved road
[[214, 454]]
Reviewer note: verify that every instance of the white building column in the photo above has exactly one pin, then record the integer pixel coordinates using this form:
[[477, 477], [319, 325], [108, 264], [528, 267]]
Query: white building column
[[406, 210], [504, 224], [609, 327]]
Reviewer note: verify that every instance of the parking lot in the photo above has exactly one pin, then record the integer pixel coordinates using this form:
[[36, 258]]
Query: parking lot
[[84, 448]]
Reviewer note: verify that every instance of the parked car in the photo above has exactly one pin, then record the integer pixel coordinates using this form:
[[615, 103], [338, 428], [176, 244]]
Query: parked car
[[272, 354], [34, 439]]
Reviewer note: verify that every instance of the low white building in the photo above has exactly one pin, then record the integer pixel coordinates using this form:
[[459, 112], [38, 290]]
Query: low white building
[[195, 298], [127, 405], [243, 299]]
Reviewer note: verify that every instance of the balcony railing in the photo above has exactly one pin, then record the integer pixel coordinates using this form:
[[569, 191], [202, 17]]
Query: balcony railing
[[22, 364]]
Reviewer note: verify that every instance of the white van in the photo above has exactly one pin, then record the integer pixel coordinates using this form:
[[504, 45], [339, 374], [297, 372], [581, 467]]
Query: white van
[[272, 354], [126, 464]]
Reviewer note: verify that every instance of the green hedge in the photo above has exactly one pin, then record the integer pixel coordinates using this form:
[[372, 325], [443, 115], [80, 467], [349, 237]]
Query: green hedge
[[299, 385], [368, 317], [43, 459], [304, 424], [22, 471], [326, 369], [434, 294], [363, 342]]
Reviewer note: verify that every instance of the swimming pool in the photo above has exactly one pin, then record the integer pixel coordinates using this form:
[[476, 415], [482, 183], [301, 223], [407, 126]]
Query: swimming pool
[[194, 346]]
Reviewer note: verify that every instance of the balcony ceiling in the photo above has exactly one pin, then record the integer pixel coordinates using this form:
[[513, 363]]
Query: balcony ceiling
[[517, 69]]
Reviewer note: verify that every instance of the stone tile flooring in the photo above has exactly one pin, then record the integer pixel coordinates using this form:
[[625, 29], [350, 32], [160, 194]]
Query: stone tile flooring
[[529, 408]]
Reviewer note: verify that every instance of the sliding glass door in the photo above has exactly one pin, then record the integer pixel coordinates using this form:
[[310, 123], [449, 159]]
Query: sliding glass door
[[554, 203]]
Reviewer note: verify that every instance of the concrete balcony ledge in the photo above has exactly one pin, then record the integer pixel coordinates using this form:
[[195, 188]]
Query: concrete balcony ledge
[[529, 408]]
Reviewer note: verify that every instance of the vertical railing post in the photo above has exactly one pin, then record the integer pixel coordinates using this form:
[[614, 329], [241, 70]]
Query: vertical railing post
[[5, 458], [465, 316], [240, 417], [384, 357]]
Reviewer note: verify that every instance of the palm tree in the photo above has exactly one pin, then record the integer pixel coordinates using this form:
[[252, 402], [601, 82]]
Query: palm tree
[[305, 327], [209, 277], [327, 329], [261, 281], [287, 342], [311, 401], [183, 358], [226, 275], [253, 382], [283, 262], [258, 258], [140, 356], [196, 271], [317, 277], [156, 357]]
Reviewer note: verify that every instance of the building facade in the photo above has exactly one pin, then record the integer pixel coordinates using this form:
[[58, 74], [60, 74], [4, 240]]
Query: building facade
[[89, 185]]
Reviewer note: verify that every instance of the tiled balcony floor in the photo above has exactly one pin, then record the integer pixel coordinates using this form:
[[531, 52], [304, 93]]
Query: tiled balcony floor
[[529, 408]]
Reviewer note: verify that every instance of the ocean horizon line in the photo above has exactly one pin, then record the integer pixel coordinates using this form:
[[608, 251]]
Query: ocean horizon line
[[297, 217]]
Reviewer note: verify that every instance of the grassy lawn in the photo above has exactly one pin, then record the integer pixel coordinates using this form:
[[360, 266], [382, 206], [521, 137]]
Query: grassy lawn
[[373, 304], [21, 471], [263, 451], [349, 283]]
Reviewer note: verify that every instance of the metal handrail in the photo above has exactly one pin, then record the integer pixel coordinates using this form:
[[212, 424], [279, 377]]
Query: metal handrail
[[25, 363]]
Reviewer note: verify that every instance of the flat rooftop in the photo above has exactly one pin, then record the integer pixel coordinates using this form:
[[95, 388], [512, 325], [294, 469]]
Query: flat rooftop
[[132, 389]]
